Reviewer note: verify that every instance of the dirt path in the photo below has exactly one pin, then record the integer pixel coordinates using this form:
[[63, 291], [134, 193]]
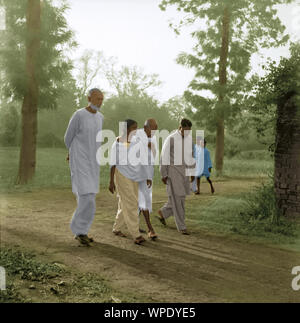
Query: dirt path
[[198, 268]]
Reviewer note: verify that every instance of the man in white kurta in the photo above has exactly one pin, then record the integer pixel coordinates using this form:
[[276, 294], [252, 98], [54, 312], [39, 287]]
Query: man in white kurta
[[80, 139], [147, 138]]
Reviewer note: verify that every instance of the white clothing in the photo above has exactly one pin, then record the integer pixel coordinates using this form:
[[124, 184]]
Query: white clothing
[[80, 139], [123, 157], [84, 214], [145, 193]]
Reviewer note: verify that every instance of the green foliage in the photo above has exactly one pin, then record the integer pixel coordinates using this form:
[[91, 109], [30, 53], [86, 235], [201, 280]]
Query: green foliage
[[116, 109], [23, 268], [177, 107], [26, 267], [253, 25], [9, 126], [261, 214], [129, 81], [282, 81], [56, 39]]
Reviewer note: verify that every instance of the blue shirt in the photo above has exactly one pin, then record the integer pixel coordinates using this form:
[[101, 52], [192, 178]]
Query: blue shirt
[[203, 161]]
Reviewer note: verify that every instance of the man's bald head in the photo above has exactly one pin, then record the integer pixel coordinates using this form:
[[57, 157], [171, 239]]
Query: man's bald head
[[150, 127]]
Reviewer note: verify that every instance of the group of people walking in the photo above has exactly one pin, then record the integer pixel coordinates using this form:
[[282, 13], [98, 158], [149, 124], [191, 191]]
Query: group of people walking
[[131, 180]]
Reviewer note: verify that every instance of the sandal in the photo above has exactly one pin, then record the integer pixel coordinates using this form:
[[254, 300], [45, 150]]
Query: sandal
[[91, 239], [153, 236], [185, 232], [161, 219], [83, 239], [119, 234], [139, 240]]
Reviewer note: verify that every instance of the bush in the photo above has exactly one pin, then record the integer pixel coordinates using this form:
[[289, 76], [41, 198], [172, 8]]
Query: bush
[[9, 126], [262, 215], [51, 141]]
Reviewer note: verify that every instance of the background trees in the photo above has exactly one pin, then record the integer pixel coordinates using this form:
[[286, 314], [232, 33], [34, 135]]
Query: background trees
[[34, 65], [229, 33]]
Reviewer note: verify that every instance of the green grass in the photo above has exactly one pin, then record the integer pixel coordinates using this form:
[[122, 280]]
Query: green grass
[[52, 170], [227, 215], [31, 280]]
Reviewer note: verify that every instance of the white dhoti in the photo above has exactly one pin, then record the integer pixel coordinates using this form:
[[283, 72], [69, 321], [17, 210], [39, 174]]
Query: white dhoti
[[145, 197], [84, 214]]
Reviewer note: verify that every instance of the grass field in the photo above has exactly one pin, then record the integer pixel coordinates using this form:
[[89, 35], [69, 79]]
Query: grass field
[[53, 170]]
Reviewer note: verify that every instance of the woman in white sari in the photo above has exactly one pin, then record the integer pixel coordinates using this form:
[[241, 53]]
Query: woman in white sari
[[124, 179]]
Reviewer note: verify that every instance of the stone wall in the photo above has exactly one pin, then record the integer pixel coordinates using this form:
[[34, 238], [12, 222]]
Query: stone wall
[[287, 159]]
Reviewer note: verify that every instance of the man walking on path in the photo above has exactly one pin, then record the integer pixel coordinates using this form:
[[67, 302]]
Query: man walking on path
[[80, 139], [176, 164], [146, 136]]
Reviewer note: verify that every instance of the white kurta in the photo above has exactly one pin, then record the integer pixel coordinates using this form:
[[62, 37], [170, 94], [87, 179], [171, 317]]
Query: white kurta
[[80, 139], [122, 156], [145, 193]]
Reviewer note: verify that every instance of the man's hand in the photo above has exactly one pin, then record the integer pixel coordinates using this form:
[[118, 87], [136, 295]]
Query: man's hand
[[112, 187], [149, 183], [192, 179], [68, 158], [165, 180]]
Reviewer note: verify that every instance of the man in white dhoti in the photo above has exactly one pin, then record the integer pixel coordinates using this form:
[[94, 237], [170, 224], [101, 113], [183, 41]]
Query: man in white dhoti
[[176, 165], [147, 138], [125, 174], [80, 139]]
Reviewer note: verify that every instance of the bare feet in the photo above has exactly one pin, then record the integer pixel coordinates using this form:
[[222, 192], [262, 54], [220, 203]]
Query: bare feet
[[185, 232], [152, 235], [161, 218], [119, 234], [139, 240]]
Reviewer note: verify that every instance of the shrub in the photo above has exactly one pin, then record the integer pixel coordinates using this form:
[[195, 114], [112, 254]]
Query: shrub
[[261, 213]]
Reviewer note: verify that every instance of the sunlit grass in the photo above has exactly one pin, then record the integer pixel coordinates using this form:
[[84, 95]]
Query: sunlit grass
[[53, 171]]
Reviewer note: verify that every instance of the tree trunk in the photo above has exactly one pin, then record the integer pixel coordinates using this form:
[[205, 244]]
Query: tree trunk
[[287, 157], [30, 101], [220, 136]]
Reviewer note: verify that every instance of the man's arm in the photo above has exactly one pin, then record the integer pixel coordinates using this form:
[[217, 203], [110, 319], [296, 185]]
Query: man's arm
[[71, 130], [112, 186], [165, 160]]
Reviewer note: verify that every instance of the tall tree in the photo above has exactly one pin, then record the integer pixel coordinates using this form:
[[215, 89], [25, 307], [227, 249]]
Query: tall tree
[[33, 61], [281, 89], [30, 100], [229, 33]]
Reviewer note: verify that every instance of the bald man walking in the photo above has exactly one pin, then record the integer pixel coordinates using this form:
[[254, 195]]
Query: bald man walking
[[146, 137]]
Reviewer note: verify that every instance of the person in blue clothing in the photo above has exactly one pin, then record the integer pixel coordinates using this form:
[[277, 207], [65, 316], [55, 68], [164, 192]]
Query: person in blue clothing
[[203, 164]]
